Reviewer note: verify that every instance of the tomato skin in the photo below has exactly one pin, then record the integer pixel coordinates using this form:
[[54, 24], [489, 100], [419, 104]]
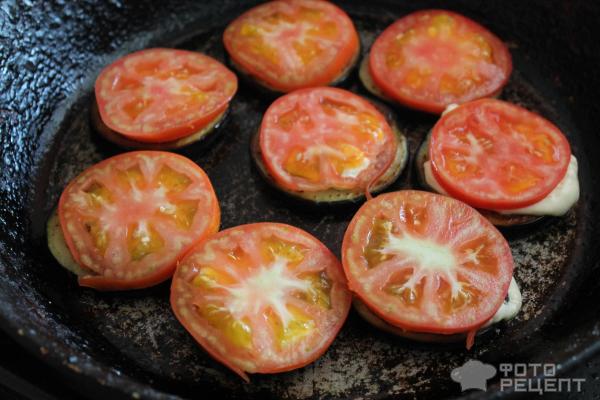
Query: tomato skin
[[354, 243], [434, 329], [502, 59], [503, 116], [103, 283], [182, 294], [323, 74], [177, 130]]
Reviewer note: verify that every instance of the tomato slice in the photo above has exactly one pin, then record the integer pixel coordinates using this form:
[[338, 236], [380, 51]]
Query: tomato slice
[[261, 298], [293, 44], [128, 219], [498, 156], [321, 138], [426, 262], [159, 95], [430, 59]]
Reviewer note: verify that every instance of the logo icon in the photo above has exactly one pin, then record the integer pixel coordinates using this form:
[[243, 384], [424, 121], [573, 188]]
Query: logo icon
[[473, 375]]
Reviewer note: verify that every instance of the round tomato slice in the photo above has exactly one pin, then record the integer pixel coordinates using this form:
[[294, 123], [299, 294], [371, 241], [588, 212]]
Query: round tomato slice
[[128, 219], [497, 156], [321, 138], [261, 298], [159, 95], [426, 262], [430, 59], [293, 44]]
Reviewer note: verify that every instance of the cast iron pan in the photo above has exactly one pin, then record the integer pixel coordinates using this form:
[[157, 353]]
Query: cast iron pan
[[129, 344]]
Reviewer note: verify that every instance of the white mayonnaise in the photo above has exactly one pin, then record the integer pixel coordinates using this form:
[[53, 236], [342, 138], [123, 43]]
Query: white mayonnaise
[[449, 108], [511, 305], [557, 203]]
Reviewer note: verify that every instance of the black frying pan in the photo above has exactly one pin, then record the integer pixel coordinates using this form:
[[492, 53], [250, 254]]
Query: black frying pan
[[129, 344]]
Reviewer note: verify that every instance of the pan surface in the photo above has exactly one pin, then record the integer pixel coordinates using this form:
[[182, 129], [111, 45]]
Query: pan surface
[[130, 344]]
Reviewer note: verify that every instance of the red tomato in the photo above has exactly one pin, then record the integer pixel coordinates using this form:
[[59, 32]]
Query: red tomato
[[430, 59], [321, 138], [293, 44], [159, 95], [261, 298], [426, 262], [130, 218], [495, 155]]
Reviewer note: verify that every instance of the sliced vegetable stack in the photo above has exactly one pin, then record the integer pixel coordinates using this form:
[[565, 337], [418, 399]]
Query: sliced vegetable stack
[[261, 298], [327, 144], [127, 220], [501, 158], [163, 98], [288, 45], [426, 263], [433, 58]]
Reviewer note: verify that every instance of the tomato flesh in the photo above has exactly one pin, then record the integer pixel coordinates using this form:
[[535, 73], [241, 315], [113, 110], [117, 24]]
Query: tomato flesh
[[322, 138], [262, 297], [159, 95], [433, 58], [426, 262], [128, 219], [293, 44], [496, 155]]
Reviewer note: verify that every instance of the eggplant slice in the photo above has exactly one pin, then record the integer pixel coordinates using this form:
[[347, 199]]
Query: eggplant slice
[[338, 196], [123, 141]]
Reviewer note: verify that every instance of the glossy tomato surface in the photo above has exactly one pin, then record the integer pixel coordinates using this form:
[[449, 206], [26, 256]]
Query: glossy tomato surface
[[128, 219], [432, 58], [160, 95], [261, 298], [495, 155], [425, 262], [322, 138], [294, 44]]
